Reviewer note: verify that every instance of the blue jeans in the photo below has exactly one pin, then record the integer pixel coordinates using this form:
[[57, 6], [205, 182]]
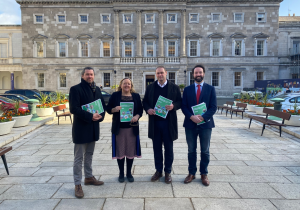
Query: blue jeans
[[191, 139], [162, 136]]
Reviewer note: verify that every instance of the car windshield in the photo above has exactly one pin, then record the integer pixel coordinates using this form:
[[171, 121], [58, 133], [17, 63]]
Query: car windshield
[[7, 100], [23, 97]]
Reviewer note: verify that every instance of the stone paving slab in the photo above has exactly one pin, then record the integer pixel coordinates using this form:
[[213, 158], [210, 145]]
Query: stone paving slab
[[286, 204], [288, 191], [83, 204], [123, 204], [248, 178], [294, 179], [48, 204], [25, 180], [168, 203], [146, 190]]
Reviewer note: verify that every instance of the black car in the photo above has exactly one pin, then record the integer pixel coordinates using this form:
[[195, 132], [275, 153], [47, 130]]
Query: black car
[[31, 94], [106, 96], [15, 97]]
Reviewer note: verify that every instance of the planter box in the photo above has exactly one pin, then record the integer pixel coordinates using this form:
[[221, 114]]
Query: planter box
[[294, 120], [259, 110], [67, 105], [42, 112], [22, 120], [5, 127], [251, 107]]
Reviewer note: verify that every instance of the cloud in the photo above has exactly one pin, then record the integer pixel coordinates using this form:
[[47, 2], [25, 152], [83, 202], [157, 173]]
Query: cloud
[[9, 19], [10, 12]]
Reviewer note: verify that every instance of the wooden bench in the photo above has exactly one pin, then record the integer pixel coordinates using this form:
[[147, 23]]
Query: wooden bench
[[4, 150], [64, 114], [266, 121], [240, 108], [229, 106]]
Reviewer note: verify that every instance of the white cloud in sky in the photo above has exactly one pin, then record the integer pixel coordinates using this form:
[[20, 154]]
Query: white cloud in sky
[[10, 12], [9, 19]]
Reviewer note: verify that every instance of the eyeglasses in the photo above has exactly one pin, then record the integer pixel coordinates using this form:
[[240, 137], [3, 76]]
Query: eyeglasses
[[134, 124]]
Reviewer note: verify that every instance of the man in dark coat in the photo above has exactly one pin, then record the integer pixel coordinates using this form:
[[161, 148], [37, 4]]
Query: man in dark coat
[[162, 130], [85, 130]]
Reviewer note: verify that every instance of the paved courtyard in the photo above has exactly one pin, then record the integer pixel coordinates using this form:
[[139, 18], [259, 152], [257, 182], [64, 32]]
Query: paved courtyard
[[246, 171]]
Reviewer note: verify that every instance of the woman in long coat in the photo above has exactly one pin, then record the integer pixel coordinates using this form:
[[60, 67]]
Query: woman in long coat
[[125, 135]]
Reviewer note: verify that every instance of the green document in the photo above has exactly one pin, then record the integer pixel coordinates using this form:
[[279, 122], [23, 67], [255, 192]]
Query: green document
[[126, 112], [94, 107], [160, 106], [199, 109]]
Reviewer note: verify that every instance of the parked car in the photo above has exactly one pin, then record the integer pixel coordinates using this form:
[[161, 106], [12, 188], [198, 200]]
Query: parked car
[[106, 96], [31, 94], [251, 92], [289, 100], [15, 97], [10, 103], [48, 92]]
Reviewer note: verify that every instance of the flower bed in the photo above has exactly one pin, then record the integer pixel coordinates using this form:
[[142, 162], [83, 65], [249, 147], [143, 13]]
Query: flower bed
[[43, 110], [295, 117], [6, 124], [22, 118]]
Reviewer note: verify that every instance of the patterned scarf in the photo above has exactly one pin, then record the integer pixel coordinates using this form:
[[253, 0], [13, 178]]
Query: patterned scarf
[[93, 86]]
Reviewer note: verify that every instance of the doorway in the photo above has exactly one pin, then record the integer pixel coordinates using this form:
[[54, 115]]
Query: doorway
[[149, 79]]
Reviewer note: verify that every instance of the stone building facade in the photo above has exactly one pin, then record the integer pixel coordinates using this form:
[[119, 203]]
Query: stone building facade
[[10, 57], [237, 41]]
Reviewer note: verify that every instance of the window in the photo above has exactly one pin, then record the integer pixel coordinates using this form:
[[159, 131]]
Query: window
[[106, 79], [216, 48], [62, 49], [171, 18], [128, 75], [296, 48], [172, 77], [295, 76], [193, 48], [61, 18], [191, 78], [237, 79], [127, 18], [215, 79], [238, 17], [261, 17], [83, 18], [105, 18], [295, 100], [194, 18], [216, 17], [149, 18], [3, 50], [260, 48], [41, 80], [171, 48], [149, 49], [106, 49], [84, 49], [62, 80], [40, 49], [38, 18], [260, 76], [238, 48], [128, 49]]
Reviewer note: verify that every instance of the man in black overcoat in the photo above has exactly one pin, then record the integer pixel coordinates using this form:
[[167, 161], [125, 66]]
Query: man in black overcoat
[[85, 130], [160, 130]]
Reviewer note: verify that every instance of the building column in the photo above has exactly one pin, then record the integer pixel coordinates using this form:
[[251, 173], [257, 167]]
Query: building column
[[161, 33], [117, 34], [183, 33], [139, 33], [10, 53], [12, 80]]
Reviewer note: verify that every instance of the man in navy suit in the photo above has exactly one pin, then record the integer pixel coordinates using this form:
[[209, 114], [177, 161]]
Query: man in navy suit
[[194, 94]]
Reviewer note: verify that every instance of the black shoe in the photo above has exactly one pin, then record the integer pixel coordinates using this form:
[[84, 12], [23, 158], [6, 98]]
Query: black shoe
[[121, 178], [130, 178]]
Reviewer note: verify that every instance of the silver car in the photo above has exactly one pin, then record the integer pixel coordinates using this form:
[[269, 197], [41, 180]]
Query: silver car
[[289, 100]]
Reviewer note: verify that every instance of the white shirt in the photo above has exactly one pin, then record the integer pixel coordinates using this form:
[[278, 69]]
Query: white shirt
[[163, 84], [196, 86]]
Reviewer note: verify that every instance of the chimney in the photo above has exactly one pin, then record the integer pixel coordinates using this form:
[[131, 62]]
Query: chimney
[[294, 15]]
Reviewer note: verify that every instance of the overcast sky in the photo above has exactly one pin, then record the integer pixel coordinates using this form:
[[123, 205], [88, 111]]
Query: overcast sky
[[10, 12]]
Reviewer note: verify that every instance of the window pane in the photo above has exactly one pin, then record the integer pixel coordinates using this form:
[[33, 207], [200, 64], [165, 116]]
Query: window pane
[[215, 78], [62, 49], [193, 17], [193, 48], [296, 47], [39, 18], [149, 18], [106, 49], [171, 49], [61, 18], [260, 16], [128, 75], [150, 52], [172, 77], [128, 49], [191, 78], [171, 17], [260, 76], [260, 47], [84, 49], [238, 48], [216, 17], [238, 17], [105, 18], [40, 80], [216, 48], [106, 77], [40, 49], [3, 50], [83, 18], [295, 76], [127, 18], [237, 78], [63, 79]]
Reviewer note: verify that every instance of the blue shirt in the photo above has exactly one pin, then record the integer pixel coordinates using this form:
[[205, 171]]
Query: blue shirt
[[196, 86]]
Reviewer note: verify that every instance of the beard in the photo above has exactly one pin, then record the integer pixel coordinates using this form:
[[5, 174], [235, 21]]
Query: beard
[[199, 79]]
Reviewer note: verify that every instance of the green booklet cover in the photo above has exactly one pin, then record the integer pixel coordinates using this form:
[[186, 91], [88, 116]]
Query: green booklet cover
[[199, 109], [160, 106], [94, 107], [126, 112]]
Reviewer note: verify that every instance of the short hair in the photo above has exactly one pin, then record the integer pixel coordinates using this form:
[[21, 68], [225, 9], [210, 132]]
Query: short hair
[[87, 68], [160, 67], [198, 66]]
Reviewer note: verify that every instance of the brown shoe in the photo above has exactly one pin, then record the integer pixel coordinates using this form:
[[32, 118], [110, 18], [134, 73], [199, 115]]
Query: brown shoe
[[189, 179], [78, 191], [92, 181], [168, 178], [204, 180], [156, 176]]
